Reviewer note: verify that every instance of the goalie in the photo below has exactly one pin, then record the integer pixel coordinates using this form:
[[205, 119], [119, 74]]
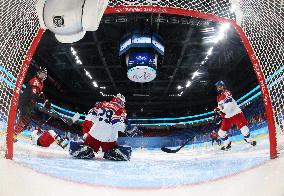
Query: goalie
[[100, 128]]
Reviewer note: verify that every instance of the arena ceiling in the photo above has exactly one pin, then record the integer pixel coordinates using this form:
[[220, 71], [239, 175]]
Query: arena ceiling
[[187, 41]]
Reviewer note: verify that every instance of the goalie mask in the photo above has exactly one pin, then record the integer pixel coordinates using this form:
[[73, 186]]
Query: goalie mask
[[119, 99], [42, 73]]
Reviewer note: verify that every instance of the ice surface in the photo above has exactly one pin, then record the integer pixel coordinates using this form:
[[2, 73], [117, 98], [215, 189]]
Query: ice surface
[[147, 168], [195, 170]]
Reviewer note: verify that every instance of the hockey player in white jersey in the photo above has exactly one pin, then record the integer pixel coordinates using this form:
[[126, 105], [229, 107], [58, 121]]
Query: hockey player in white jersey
[[231, 114]]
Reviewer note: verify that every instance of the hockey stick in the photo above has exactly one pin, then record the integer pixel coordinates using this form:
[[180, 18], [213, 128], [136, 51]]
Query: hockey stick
[[45, 121], [215, 119], [167, 150], [68, 121]]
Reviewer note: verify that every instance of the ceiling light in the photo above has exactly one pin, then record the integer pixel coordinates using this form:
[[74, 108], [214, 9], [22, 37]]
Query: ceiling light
[[88, 74], [179, 87], [95, 84], [73, 51], [210, 51], [225, 26], [219, 37], [188, 84], [208, 29], [103, 87], [195, 74]]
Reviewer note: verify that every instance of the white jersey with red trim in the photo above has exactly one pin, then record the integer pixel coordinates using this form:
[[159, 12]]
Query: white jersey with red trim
[[227, 104], [107, 119]]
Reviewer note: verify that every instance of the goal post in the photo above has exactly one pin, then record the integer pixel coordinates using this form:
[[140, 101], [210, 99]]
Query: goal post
[[16, 94], [259, 24]]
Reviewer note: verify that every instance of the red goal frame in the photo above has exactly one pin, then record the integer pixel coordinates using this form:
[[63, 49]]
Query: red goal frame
[[153, 9]]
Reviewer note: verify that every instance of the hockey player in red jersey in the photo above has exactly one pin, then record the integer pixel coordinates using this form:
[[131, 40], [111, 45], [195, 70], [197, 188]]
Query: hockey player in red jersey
[[100, 129], [214, 136], [28, 99], [231, 115], [46, 138]]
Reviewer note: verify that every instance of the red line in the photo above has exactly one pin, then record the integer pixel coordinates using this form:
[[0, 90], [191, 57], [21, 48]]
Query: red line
[[16, 94]]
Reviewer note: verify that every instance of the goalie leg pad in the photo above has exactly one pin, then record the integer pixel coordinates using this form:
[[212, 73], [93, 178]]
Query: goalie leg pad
[[119, 153], [81, 151]]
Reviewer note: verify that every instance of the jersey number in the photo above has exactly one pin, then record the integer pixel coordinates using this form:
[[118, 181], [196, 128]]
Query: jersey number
[[105, 115]]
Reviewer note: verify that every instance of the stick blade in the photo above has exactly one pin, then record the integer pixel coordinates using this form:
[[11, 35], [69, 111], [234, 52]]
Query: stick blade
[[167, 150]]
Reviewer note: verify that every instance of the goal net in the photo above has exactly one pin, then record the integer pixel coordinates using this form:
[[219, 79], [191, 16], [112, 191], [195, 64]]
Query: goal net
[[259, 23]]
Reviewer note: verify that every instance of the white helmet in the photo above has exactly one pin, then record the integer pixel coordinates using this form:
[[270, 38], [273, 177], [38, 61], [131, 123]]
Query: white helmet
[[42, 71]]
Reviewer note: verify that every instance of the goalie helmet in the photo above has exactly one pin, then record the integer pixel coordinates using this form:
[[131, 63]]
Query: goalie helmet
[[119, 99], [42, 73]]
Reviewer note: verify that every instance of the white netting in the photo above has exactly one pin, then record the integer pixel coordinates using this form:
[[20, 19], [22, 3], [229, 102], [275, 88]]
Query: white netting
[[263, 23], [261, 20], [18, 26]]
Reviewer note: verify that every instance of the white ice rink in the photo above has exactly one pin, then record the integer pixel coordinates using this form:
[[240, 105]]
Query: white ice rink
[[244, 170]]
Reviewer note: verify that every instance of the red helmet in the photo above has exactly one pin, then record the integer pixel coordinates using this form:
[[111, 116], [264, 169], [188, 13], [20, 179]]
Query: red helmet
[[119, 99]]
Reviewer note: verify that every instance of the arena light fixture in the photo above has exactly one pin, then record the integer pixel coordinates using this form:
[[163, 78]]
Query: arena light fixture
[[77, 59], [195, 74], [95, 84], [188, 84], [179, 87], [224, 27], [208, 29], [88, 74], [210, 50]]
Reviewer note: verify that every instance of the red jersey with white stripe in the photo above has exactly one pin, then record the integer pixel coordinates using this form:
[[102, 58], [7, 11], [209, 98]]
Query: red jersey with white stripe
[[214, 135], [227, 104], [104, 121], [36, 85]]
